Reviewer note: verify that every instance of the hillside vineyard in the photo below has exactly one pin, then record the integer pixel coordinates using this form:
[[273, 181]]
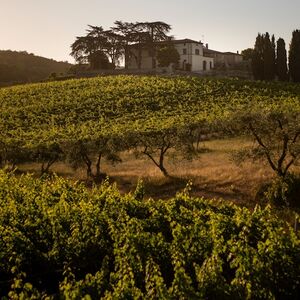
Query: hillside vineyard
[[42, 122], [64, 240]]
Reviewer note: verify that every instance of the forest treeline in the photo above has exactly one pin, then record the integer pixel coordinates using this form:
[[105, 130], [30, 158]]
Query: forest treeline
[[22, 67]]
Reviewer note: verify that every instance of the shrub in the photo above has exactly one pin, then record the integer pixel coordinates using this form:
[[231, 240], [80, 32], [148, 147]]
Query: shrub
[[281, 191]]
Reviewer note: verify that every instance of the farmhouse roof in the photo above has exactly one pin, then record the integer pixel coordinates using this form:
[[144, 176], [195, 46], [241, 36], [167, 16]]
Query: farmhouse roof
[[185, 41], [211, 51], [214, 51], [232, 53], [181, 41]]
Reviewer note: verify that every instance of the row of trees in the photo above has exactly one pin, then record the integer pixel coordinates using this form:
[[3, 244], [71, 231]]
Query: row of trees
[[269, 59], [88, 152], [277, 136], [105, 48]]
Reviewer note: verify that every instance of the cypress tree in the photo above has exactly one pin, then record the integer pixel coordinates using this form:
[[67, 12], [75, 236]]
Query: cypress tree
[[258, 58], [294, 56], [268, 61], [273, 57], [264, 57], [281, 61]]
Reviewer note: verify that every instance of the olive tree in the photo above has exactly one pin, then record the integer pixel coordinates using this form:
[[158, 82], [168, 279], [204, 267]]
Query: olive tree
[[277, 138], [155, 144], [88, 145]]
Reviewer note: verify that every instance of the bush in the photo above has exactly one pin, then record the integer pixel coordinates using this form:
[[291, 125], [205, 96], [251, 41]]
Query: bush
[[281, 191]]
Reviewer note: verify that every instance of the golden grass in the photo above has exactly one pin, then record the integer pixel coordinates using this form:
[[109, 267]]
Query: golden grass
[[213, 173]]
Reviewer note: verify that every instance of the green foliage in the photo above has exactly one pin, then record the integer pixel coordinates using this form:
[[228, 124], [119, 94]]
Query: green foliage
[[282, 191], [98, 60], [167, 55], [80, 121], [139, 192], [60, 240], [276, 134], [91, 48], [247, 54]]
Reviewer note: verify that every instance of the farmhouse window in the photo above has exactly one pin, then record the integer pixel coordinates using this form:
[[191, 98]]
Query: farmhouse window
[[184, 51], [197, 52]]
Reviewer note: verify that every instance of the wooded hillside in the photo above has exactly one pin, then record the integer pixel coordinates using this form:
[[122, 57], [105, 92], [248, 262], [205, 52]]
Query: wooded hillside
[[21, 67]]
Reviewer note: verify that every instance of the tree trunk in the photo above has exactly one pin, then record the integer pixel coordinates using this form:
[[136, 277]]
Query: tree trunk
[[161, 163], [140, 59], [88, 163], [98, 170], [126, 57], [46, 167], [89, 173], [153, 57]]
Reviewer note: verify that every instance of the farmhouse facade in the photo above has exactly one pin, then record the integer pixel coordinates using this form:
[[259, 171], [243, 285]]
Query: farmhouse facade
[[192, 57], [223, 59]]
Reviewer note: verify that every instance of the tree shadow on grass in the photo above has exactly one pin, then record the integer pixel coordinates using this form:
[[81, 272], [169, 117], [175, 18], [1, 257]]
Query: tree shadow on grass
[[157, 188], [165, 188]]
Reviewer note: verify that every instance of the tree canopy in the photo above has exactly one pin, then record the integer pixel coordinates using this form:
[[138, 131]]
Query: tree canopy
[[247, 54], [115, 42], [167, 55]]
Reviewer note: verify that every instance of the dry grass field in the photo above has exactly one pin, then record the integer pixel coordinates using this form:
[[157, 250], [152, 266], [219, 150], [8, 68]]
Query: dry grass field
[[213, 173]]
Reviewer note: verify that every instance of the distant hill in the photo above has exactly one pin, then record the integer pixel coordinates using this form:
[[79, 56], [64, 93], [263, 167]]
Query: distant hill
[[21, 67]]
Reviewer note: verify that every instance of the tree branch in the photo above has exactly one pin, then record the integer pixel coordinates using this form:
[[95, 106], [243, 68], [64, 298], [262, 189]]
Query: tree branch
[[150, 156], [284, 152], [288, 166], [260, 142], [295, 137]]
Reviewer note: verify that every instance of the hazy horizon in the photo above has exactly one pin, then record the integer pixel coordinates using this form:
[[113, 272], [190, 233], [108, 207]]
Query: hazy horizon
[[48, 28]]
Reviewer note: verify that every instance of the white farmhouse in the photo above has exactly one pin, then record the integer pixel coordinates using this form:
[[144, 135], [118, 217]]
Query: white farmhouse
[[192, 57]]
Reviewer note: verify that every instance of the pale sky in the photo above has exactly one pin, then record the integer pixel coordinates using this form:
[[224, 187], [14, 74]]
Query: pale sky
[[49, 27]]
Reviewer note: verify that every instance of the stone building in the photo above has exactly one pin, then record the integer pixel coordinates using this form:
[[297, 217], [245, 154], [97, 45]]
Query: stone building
[[223, 59], [192, 57]]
